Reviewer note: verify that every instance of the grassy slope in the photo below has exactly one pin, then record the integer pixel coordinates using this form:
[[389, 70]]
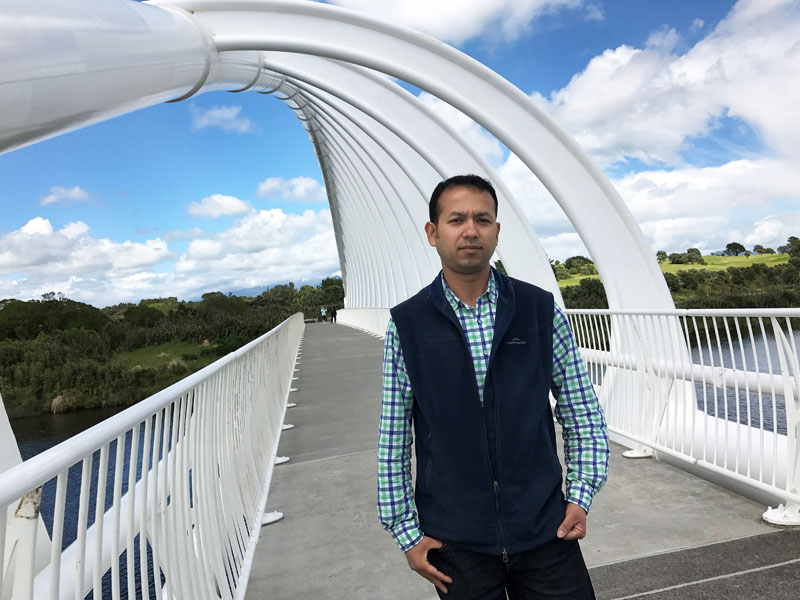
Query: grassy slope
[[713, 263], [163, 354]]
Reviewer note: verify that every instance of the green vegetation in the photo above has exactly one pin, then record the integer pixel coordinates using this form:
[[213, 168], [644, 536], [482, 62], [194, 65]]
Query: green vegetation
[[58, 355], [168, 354], [738, 279], [720, 263]]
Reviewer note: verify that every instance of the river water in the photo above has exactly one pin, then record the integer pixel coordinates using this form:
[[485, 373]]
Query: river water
[[37, 434]]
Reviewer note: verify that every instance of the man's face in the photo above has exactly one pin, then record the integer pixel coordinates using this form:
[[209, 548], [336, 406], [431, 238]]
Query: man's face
[[466, 234]]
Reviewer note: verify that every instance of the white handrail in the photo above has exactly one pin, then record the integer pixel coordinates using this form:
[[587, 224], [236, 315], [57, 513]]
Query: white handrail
[[197, 461], [716, 389]]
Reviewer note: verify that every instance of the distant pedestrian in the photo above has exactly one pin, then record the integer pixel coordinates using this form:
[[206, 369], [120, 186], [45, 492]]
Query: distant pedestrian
[[333, 314], [324, 312]]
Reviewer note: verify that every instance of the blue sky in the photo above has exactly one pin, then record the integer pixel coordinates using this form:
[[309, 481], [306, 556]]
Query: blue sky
[[691, 108]]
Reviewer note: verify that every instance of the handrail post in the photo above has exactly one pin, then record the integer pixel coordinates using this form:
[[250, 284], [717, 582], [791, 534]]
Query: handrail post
[[789, 513]]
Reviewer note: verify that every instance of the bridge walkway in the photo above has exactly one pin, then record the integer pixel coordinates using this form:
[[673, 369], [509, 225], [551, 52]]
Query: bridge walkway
[[655, 532]]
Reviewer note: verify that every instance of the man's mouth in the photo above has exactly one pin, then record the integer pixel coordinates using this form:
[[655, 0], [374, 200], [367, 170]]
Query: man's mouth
[[471, 247]]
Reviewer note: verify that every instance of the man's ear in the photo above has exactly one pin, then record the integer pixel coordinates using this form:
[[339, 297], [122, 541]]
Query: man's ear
[[430, 231]]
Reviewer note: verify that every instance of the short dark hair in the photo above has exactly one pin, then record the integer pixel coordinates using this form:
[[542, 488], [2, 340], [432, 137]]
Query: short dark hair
[[475, 182]]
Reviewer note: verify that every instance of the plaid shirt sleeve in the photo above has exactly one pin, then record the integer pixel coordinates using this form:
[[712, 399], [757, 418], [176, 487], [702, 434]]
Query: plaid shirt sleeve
[[396, 507], [580, 415]]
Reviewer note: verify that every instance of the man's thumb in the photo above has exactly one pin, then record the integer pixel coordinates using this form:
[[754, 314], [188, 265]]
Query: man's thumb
[[564, 528]]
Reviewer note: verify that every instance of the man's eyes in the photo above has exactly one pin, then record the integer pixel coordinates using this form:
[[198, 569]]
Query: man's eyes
[[458, 221]]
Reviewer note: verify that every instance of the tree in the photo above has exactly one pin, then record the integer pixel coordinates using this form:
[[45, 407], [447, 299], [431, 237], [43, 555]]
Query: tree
[[661, 256], [561, 271], [332, 292], [143, 316], [678, 259], [673, 283], [693, 255], [734, 249], [793, 247], [589, 293], [759, 249], [574, 263]]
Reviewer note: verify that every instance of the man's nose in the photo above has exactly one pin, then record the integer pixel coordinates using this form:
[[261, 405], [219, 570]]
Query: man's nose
[[469, 228]]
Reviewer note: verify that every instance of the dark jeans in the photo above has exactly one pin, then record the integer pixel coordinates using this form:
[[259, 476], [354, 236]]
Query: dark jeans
[[553, 570]]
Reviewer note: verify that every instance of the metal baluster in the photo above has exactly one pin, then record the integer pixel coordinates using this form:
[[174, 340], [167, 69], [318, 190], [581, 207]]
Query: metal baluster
[[58, 534], [83, 515], [99, 511]]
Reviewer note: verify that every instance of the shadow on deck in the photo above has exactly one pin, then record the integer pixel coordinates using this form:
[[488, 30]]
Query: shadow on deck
[[654, 531]]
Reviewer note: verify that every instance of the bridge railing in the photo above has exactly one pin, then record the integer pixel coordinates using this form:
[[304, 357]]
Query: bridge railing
[[163, 500], [716, 389]]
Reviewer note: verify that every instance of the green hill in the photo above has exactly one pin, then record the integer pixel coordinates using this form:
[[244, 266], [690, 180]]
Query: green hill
[[713, 263]]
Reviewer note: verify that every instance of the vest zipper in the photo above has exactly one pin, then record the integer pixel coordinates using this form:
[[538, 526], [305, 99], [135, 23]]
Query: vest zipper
[[501, 531], [500, 527]]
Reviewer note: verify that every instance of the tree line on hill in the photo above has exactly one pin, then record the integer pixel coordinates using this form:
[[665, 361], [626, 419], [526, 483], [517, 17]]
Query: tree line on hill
[[57, 354], [754, 286], [692, 255]]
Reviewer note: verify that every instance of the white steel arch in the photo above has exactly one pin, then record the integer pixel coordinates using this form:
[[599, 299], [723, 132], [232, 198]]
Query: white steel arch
[[379, 157]]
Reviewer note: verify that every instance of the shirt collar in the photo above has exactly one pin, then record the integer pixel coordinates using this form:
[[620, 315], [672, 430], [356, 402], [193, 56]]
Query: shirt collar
[[490, 293]]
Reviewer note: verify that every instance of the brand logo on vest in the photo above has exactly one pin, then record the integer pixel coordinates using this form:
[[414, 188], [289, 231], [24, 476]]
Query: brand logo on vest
[[516, 342]]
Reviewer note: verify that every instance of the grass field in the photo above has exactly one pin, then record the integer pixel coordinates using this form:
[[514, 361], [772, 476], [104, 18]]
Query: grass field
[[163, 355], [713, 263]]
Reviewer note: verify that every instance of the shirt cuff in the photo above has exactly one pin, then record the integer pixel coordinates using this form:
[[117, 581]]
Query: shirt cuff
[[580, 493], [406, 535]]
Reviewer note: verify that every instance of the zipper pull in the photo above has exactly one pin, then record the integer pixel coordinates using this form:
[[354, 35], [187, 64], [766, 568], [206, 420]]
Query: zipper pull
[[505, 555], [496, 488]]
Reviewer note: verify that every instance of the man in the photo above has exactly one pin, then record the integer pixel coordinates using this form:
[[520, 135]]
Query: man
[[470, 361], [333, 314]]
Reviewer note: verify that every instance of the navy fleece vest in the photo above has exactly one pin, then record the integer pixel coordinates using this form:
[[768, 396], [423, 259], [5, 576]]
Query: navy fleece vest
[[488, 477]]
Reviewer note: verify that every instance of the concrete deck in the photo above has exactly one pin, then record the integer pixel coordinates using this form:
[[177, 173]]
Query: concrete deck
[[654, 531]]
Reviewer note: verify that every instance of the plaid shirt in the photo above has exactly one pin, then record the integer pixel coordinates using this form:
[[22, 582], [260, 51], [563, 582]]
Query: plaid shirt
[[577, 410]]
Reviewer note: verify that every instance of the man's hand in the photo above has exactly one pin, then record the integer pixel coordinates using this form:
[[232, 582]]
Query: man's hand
[[573, 527], [417, 558]]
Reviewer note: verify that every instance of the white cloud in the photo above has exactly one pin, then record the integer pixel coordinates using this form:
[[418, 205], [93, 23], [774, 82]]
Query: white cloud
[[774, 230], [563, 245], [697, 24], [59, 194], [203, 250], [74, 230], [45, 254], [708, 234], [188, 234], [647, 102], [594, 12], [261, 248], [297, 188], [227, 118], [37, 225], [217, 205], [456, 21], [711, 190]]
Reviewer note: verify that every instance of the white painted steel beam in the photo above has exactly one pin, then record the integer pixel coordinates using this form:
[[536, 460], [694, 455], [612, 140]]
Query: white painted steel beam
[[394, 109], [74, 64], [577, 184]]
